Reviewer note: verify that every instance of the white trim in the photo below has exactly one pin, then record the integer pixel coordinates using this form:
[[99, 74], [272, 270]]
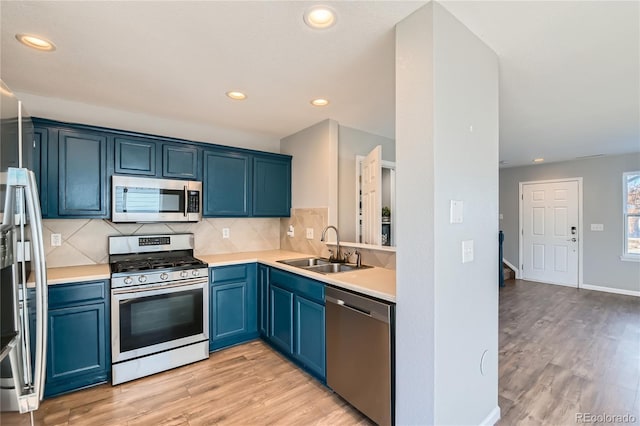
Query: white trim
[[492, 418], [630, 258], [506, 262], [626, 256], [363, 245], [549, 282], [635, 293], [580, 220]]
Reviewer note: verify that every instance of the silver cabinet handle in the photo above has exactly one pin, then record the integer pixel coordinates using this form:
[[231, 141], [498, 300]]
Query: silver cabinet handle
[[186, 200]]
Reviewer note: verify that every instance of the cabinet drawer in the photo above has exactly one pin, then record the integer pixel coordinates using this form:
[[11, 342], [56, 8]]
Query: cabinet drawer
[[298, 284], [76, 293], [228, 273]]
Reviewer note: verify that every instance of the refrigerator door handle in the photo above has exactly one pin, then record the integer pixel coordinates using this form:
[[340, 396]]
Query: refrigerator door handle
[[30, 395]]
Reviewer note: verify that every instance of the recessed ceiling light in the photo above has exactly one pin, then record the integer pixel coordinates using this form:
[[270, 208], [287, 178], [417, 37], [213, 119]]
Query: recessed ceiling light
[[238, 96], [538, 160], [36, 42], [320, 17], [320, 102]]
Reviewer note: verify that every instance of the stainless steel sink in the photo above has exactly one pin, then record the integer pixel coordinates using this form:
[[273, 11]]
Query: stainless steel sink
[[304, 263], [322, 265]]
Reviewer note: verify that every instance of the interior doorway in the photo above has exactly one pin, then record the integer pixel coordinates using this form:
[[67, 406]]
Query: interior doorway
[[551, 231]]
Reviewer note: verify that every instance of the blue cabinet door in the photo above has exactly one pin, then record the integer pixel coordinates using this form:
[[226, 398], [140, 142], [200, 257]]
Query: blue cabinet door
[[78, 343], [180, 161], [310, 335], [228, 310], [226, 183], [271, 186], [41, 166], [135, 156], [232, 305], [281, 318], [263, 300], [82, 174]]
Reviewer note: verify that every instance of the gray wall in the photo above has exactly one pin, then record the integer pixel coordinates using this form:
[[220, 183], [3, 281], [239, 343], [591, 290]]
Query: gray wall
[[354, 142], [314, 171], [447, 311], [602, 203]]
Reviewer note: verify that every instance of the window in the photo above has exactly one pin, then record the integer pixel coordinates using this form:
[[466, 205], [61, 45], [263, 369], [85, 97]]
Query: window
[[631, 200]]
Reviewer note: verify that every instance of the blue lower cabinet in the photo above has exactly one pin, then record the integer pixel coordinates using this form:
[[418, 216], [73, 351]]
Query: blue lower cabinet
[[310, 335], [281, 318], [78, 344], [296, 319], [232, 305], [263, 300]]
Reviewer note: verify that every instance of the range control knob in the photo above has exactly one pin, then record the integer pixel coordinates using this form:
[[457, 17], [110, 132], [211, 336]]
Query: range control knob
[[183, 274], [195, 272], [142, 278], [164, 276], [128, 280]]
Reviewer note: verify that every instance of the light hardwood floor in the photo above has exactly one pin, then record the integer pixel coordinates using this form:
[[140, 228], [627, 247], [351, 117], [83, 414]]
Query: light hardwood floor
[[562, 351], [565, 351], [245, 385]]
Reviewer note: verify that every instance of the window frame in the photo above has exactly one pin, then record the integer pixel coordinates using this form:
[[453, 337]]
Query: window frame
[[634, 257]]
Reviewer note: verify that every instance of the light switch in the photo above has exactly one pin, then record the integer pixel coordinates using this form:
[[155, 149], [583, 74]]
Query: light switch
[[456, 211], [467, 251], [309, 233], [501, 216], [225, 232], [597, 227]]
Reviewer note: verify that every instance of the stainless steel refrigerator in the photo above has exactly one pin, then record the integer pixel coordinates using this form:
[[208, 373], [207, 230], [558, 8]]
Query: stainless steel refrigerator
[[23, 308]]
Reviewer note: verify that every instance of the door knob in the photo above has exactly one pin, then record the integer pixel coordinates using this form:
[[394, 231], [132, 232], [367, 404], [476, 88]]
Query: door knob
[[572, 240]]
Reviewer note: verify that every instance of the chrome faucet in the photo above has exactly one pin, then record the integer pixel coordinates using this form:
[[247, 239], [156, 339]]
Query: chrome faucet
[[337, 258]]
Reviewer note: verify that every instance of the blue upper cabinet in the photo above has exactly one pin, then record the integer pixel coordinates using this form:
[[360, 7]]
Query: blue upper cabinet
[[41, 167], [226, 183], [180, 161], [135, 156], [74, 164], [82, 189], [272, 186]]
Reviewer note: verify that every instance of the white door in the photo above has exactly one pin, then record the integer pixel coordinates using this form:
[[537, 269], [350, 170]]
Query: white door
[[550, 231], [372, 197]]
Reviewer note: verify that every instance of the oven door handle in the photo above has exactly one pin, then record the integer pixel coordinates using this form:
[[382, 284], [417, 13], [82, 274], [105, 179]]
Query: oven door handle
[[142, 291]]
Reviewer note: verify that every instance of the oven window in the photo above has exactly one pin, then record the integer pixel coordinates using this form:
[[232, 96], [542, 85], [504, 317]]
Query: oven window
[[157, 319], [149, 200]]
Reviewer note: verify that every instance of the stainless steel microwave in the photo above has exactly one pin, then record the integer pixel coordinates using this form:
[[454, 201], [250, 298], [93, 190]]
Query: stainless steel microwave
[[136, 199]]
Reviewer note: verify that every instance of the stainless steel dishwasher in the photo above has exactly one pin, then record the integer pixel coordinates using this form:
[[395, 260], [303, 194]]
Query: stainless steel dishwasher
[[360, 354]]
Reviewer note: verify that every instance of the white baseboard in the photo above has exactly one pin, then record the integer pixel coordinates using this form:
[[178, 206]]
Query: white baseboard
[[492, 418], [610, 290], [536, 280], [511, 266]]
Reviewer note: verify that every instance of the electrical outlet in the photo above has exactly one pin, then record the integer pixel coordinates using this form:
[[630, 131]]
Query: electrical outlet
[[309, 233], [225, 232], [56, 240]]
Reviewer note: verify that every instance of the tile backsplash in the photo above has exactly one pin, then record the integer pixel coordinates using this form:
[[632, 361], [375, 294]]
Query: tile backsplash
[[84, 241], [317, 218]]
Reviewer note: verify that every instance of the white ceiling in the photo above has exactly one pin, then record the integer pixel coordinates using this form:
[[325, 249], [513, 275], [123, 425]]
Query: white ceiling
[[569, 70]]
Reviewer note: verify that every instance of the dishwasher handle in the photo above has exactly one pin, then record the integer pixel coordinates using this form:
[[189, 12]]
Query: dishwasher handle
[[346, 305], [361, 305]]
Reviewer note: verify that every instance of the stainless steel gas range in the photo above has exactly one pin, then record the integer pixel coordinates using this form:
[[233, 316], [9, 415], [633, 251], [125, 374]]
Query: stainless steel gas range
[[159, 305]]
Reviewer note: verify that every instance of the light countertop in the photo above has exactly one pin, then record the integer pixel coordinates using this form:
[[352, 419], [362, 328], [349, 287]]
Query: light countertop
[[71, 274], [375, 282]]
